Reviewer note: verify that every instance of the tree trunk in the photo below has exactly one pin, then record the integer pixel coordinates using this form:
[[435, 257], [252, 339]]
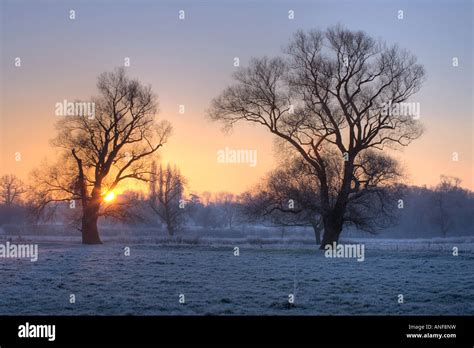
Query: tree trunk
[[90, 232], [333, 219], [90, 209], [317, 227], [169, 224], [332, 229]]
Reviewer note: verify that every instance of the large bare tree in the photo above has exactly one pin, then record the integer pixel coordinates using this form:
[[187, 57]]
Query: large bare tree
[[99, 153], [335, 92]]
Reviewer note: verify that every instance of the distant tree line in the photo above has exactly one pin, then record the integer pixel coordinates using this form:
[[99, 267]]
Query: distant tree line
[[284, 198]]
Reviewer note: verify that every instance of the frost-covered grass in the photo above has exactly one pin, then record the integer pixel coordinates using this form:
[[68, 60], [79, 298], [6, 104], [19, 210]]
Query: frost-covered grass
[[298, 242], [214, 281]]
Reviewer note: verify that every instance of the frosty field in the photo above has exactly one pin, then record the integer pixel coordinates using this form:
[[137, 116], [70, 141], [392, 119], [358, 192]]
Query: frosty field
[[214, 281]]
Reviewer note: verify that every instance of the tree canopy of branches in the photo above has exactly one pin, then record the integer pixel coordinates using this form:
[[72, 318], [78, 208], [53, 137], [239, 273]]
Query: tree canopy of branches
[[327, 97], [98, 154], [288, 196]]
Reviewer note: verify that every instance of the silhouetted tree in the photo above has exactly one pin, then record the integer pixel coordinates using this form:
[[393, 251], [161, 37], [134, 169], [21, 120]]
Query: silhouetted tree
[[166, 196], [288, 196], [12, 199], [99, 153], [333, 98], [11, 190], [443, 202]]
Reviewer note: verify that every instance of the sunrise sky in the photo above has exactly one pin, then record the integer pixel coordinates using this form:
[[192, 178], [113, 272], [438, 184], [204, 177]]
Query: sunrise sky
[[188, 62]]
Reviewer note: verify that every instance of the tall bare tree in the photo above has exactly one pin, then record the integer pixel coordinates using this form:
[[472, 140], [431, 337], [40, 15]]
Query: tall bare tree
[[101, 152], [335, 92], [166, 196]]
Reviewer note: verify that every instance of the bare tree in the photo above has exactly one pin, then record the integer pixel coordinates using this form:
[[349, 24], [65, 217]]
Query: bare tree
[[166, 196], [376, 190], [443, 203], [335, 93], [228, 203], [11, 190], [100, 153], [288, 196]]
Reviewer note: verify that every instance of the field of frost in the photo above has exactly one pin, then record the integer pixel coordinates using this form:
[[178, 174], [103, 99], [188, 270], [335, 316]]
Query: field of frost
[[214, 281]]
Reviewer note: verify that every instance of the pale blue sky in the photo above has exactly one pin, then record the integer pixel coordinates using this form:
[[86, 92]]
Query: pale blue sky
[[189, 62]]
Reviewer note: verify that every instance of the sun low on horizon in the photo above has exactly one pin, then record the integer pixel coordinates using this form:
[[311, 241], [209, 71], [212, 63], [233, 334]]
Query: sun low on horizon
[[110, 196]]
